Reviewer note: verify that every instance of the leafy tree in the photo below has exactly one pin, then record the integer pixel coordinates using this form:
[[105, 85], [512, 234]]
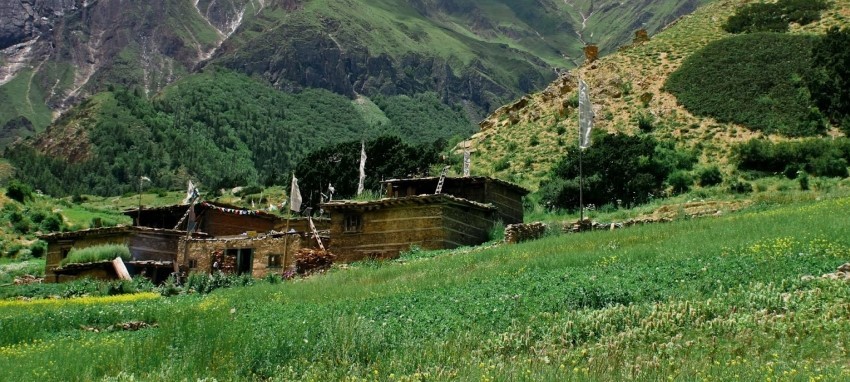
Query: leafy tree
[[617, 167], [387, 157]]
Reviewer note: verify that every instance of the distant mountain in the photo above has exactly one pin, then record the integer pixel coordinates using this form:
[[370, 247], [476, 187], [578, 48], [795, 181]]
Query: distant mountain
[[478, 54]]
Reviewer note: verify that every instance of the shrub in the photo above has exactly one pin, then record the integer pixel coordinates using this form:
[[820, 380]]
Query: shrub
[[681, 181], [741, 187], [821, 157], [710, 176], [19, 191], [96, 253], [803, 178], [39, 248], [52, 223], [646, 122]]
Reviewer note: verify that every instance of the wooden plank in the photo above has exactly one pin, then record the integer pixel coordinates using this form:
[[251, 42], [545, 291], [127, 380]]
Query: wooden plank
[[121, 269]]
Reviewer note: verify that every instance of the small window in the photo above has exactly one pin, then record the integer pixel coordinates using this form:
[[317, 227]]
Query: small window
[[353, 223], [193, 263], [274, 261], [65, 252]]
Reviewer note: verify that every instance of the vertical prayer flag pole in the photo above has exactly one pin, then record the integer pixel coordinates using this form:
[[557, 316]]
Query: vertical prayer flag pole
[[139, 214], [294, 205], [466, 159], [362, 168], [585, 124]]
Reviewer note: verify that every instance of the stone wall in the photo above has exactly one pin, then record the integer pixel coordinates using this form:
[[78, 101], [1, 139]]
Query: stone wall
[[516, 233], [196, 255]]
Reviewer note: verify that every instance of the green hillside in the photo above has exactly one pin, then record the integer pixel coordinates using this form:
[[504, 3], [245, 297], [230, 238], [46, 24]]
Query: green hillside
[[471, 53], [739, 297], [219, 128], [693, 85]]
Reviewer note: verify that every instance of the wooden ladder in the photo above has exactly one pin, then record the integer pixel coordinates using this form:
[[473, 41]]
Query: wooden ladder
[[442, 180]]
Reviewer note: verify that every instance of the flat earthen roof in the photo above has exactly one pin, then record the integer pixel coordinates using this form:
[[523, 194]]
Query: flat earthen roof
[[109, 230], [468, 179], [408, 200]]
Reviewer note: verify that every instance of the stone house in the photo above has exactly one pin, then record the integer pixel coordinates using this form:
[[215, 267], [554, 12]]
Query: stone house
[[152, 252], [252, 240], [506, 197]]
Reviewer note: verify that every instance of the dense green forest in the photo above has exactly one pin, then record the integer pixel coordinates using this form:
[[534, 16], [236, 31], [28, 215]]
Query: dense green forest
[[766, 79], [752, 79], [774, 17], [221, 129]]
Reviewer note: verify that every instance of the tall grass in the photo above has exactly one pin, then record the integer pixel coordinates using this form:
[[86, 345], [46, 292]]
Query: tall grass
[[96, 253], [715, 299]]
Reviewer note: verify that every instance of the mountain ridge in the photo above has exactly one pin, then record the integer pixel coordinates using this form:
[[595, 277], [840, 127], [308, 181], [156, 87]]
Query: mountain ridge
[[481, 59]]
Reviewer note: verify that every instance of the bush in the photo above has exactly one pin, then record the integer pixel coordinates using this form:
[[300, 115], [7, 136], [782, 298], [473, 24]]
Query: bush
[[681, 181], [38, 249], [19, 191], [710, 176], [816, 156], [96, 253], [646, 122], [803, 178], [741, 187], [52, 223]]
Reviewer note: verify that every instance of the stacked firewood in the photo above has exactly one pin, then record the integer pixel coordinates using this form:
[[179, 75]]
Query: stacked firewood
[[311, 260]]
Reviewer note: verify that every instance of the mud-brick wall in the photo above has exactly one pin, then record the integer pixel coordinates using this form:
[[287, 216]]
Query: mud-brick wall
[[463, 226], [153, 246], [56, 248], [201, 250], [218, 223], [507, 201], [388, 231]]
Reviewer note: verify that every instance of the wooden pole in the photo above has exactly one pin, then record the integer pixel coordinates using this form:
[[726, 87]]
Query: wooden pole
[[139, 211], [580, 187], [286, 241]]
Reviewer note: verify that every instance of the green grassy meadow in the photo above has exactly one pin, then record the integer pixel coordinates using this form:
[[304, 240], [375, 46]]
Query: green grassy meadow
[[697, 299]]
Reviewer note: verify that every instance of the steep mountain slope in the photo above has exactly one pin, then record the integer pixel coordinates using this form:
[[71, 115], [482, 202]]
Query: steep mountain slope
[[626, 89], [54, 53]]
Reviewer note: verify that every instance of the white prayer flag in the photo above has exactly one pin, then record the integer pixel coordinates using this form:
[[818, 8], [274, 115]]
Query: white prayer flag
[[362, 168], [295, 196], [585, 115], [191, 193], [466, 162]]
